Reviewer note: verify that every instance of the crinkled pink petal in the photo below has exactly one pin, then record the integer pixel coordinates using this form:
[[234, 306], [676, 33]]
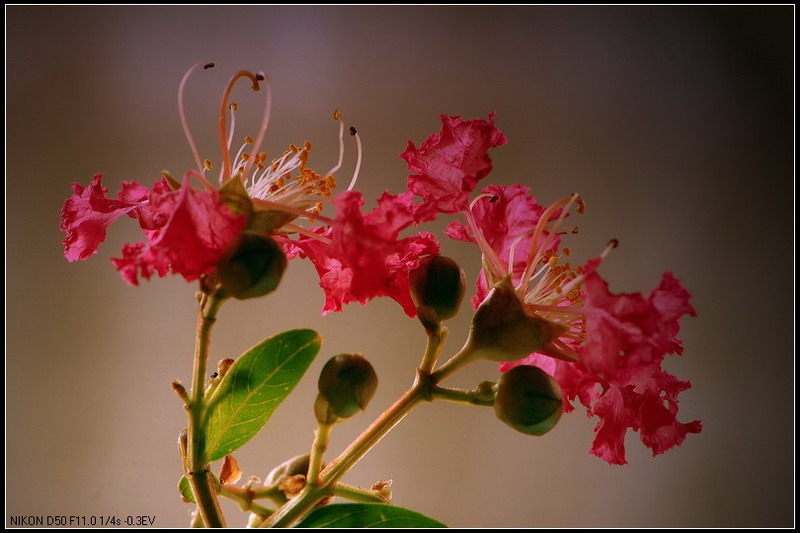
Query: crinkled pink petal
[[361, 256], [187, 232], [447, 166], [86, 215], [140, 259]]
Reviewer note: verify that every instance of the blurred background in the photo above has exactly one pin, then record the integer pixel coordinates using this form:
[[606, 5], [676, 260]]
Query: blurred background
[[674, 123]]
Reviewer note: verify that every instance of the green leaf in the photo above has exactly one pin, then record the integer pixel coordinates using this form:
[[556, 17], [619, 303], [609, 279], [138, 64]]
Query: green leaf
[[346, 515], [253, 388], [186, 489]]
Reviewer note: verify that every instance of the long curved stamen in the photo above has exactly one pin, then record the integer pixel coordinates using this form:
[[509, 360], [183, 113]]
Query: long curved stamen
[[492, 262], [240, 155], [512, 249], [182, 112], [613, 243], [233, 107], [338, 117], [566, 309], [303, 231], [535, 252], [223, 133], [199, 176], [484, 195], [262, 129], [354, 133]]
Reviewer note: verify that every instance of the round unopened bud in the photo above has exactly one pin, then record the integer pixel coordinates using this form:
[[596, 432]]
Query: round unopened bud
[[252, 268], [347, 383], [438, 283], [528, 400], [290, 467]]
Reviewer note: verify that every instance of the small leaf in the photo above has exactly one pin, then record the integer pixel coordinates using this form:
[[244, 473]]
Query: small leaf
[[347, 515], [255, 385], [185, 488]]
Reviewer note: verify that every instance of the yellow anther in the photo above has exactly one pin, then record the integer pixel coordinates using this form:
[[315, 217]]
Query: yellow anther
[[233, 106], [553, 261], [245, 156], [248, 140], [337, 115], [574, 294], [207, 165], [566, 251]]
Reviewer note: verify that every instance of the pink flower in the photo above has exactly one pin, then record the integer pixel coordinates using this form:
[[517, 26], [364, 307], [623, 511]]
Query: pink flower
[[359, 257], [187, 233], [618, 377], [187, 230], [504, 217], [447, 166], [616, 342]]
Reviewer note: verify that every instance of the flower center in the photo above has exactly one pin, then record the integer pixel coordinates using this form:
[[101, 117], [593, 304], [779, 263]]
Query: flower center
[[287, 182]]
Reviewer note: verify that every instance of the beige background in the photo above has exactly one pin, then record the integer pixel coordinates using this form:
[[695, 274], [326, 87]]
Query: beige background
[[675, 124]]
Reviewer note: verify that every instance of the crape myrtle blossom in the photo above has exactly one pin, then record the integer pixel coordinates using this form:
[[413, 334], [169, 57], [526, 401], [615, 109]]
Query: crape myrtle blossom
[[189, 226], [361, 256], [609, 349], [187, 230]]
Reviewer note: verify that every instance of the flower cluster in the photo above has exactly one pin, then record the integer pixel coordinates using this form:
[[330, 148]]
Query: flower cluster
[[608, 351], [605, 351]]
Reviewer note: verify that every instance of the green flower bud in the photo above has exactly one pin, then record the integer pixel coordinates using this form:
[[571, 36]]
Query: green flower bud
[[438, 283], [290, 467], [503, 329], [252, 268], [528, 400], [347, 383]]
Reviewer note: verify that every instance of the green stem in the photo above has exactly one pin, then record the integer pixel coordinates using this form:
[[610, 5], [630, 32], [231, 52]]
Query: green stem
[[464, 356], [357, 494], [422, 389], [301, 504], [200, 479], [468, 397], [244, 498], [321, 438], [271, 492], [433, 348]]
